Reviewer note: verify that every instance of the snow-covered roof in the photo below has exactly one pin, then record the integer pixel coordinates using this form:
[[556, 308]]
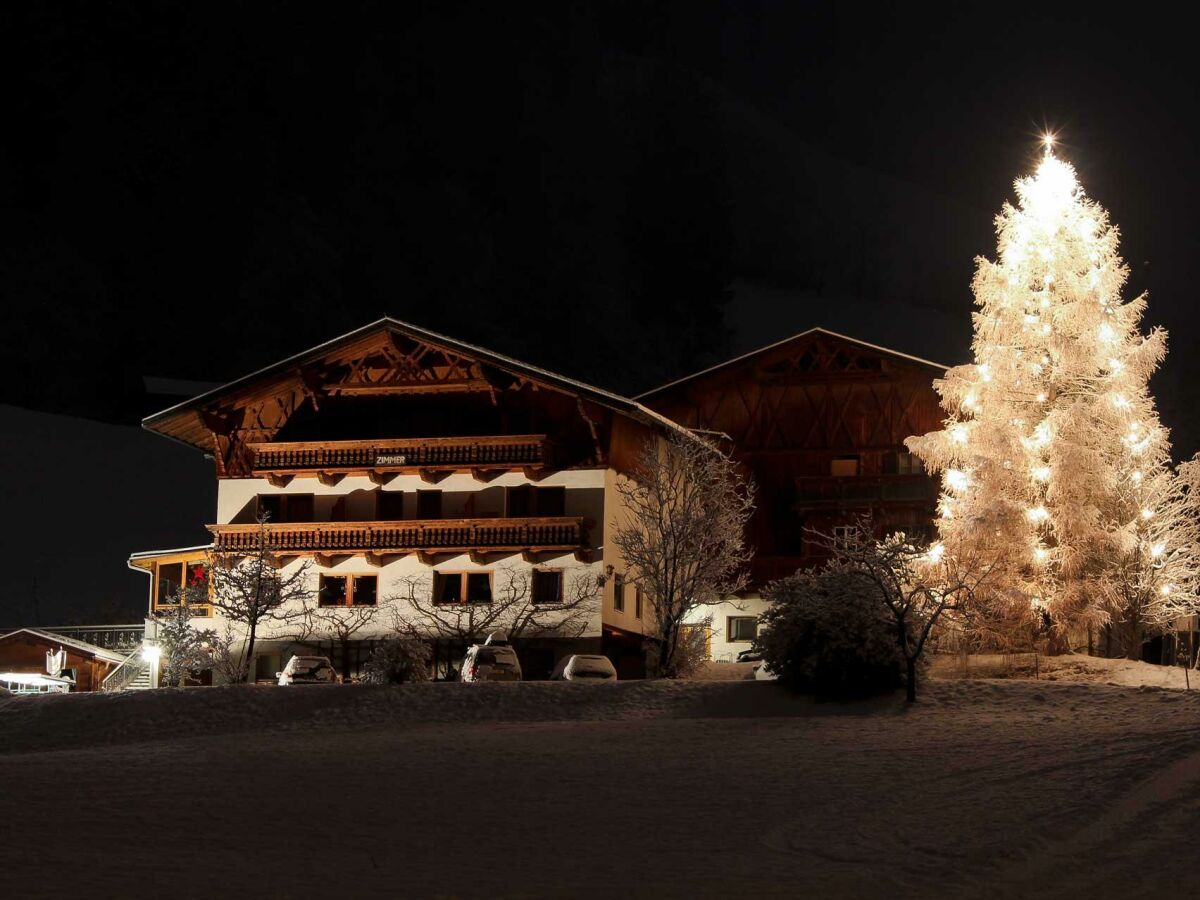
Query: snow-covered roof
[[817, 330], [54, 638]]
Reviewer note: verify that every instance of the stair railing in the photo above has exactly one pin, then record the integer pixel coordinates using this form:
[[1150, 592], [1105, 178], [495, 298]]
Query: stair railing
[[125, 673]]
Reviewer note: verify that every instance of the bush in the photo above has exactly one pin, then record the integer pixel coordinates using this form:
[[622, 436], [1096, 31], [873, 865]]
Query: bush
[[397, 661], [825, 635]]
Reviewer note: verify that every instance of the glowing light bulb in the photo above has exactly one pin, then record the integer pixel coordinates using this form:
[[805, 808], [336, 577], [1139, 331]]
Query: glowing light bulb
[[1040, 473], [1120, 401], [1037, 514], [1107, 334], [1040, 554], [1157, 550], [958, 434], [935, 553], [1147, 512], [985, 372], [1165, 590], [1049, 280], [1041, 434], [1115, 365], [1041, 398], [1136, 477], [1030, 319]]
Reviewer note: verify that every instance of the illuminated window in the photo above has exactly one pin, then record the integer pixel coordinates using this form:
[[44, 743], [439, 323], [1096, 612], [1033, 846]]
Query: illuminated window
[[842, 466], [619, 593]]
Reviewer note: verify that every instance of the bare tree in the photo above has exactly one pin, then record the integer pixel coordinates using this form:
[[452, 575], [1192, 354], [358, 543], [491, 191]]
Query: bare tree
[[512, 609], [250, 588], [915, 582], [228, 660], [340, 624], [687, 504]]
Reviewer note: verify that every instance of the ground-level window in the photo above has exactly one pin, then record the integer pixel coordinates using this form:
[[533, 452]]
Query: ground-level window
[[845, 535], [742, 628], [462, 587], [547, 586], [347, 590]]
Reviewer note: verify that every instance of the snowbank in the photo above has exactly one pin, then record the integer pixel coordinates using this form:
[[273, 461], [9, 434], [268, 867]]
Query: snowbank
[[1069, 667]]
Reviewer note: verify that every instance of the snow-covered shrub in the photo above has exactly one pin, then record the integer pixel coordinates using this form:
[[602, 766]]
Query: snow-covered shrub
[[397, 661], [825, 634]]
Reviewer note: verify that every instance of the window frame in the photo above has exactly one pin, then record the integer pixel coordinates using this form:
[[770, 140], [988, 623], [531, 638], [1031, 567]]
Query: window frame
[[351, 578], [544, 573], [619, 593], [198, 610], [729, 629], [464, 587]]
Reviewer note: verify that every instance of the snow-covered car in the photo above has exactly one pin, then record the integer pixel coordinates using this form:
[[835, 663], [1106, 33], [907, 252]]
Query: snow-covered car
[[308, 670], [586, 668], [491, 662], [762, 673], [749, 656]]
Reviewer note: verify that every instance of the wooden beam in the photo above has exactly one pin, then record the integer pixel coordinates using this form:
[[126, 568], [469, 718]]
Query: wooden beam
[[381, 478], [324, 560], [330, 478], [535, 473], [479, 557], [375, 559], [432, 476], [426, 559], [529, 556], [486, 475], [278, 479], [582, 555]]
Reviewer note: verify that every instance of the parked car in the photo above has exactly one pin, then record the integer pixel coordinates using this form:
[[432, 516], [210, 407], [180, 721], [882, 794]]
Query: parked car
[[749, 656], [586, 668], [490, 662], [308, 670]]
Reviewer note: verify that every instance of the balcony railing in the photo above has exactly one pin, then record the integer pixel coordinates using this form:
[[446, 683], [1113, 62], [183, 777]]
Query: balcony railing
[[857, 490], [502, 451], [428, 535]]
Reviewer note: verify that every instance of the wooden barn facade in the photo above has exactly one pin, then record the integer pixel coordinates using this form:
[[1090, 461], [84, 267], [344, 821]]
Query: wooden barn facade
[[86, 665], [819, 420]]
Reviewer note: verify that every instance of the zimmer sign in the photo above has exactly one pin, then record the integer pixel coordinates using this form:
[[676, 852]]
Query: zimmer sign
[[391, 459]]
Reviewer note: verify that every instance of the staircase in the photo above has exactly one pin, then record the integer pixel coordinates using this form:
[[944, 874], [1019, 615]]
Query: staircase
[[131, 675]]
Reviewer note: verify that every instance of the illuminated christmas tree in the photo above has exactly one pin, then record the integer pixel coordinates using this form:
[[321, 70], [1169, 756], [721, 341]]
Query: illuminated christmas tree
[[1053, 455]]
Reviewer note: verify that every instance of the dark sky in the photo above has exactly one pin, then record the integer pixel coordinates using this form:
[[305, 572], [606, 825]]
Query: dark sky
[[195, 190]]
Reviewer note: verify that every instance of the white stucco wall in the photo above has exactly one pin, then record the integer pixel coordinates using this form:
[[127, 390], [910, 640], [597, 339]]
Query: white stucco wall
[[721, 648]]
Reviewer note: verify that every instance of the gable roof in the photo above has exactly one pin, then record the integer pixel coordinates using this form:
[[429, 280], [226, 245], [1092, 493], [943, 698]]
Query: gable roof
[[82, 646], [795, 337], [161, 422]]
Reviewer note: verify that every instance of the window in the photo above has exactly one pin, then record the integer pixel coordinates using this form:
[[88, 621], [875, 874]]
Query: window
[[526, 500], [390, 506], [637, 601], [286, 507], [902, 463], [365, 587], [742, 628], [429, 504], [462, 587], [333, 590], [170, 580], [348, 590], [845, 535], [447, 587], [547, 586], [841, 466], [619, 593]]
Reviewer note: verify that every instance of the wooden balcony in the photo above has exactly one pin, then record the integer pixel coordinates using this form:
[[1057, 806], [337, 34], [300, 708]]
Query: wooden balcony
[[282, 460], [864, 490], [425, 536]]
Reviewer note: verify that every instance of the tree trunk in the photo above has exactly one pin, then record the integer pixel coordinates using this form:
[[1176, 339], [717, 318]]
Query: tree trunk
[[1133, 643], [910, 689], [249, 657], [345, 661]]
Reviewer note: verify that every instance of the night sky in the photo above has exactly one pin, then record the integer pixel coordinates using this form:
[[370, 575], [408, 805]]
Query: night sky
[[621, 191]]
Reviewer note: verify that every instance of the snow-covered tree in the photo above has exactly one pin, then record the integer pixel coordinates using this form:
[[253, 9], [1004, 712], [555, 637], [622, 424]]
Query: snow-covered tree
[[683, 537], [1052, 453], [185, 648]]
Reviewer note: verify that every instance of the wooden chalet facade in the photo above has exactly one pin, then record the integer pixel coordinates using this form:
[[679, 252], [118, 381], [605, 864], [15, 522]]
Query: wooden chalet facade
[[24, 651], [395, 454], [819, 420]]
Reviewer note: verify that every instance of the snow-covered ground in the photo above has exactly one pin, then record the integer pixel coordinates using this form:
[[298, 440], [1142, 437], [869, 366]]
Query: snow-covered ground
[[996, 788]]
